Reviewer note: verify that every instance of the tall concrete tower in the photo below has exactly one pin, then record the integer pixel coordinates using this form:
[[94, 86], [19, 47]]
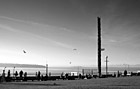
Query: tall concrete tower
[[99, 45]]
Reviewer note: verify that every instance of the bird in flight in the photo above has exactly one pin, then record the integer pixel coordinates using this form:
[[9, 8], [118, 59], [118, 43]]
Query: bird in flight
[[24, 51], [74, 49]]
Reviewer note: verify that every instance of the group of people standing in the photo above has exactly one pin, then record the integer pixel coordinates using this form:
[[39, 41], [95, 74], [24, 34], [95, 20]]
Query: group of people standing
[[20, 74], [8, 77], [16, 76]]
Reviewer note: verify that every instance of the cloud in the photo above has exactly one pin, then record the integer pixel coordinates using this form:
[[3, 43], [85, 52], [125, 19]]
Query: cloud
[[62, 44], [67, 30], [53, 41], [18, 20], [109, 41], [6, 27], [35, 23], [113, 41]]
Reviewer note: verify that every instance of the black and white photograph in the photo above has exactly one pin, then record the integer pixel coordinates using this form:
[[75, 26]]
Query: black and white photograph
[[69, 44]]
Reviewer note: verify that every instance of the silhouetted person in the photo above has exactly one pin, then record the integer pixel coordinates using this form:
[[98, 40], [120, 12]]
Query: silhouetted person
[[62, 75], [42, 77], [66, 75], [38, 76], [125, 72], [80, 76], [89, 76], [114, 74], [3, 76], [8, 74], [46, 77], [8, 79], [118, 74], [131, 73], [72, 74], [21, 74], [49, 73], [16, 74], [25, 76]]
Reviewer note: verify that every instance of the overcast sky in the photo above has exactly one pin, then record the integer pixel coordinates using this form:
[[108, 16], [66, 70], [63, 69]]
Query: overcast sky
[[62, 31]]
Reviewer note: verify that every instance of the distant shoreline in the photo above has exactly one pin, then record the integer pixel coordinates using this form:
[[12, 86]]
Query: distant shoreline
[[21, 65]]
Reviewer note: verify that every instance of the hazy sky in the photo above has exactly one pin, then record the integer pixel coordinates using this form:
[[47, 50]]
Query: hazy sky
[[49, 30]]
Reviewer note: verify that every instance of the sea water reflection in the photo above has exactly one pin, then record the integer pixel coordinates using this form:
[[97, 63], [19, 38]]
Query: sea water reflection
[[56, 71]]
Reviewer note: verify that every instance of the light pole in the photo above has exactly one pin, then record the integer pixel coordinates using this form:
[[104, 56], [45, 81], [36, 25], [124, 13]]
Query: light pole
[[4, 71], [78, 70], [106, 65], [46, 69], [13, 71], [77, 66]]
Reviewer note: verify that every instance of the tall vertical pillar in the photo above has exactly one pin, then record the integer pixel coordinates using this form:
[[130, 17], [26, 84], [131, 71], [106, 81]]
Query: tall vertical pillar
[[106, 65], [46, 69], [99, 45]]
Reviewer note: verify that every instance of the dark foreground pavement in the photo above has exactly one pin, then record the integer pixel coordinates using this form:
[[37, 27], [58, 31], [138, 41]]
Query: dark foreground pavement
[[98, 83]]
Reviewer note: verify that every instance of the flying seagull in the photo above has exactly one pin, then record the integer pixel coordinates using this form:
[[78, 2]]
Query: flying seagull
[[24, 51], [74, 49]]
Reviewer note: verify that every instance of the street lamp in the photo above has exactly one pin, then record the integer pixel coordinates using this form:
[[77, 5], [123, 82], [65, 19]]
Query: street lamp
[[106, 65], [13, 71]]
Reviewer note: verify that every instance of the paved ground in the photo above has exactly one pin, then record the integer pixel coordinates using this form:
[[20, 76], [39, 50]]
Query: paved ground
[[99, 83]]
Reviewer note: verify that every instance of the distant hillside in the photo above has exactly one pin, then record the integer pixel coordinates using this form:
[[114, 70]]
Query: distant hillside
[[21, 65]]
